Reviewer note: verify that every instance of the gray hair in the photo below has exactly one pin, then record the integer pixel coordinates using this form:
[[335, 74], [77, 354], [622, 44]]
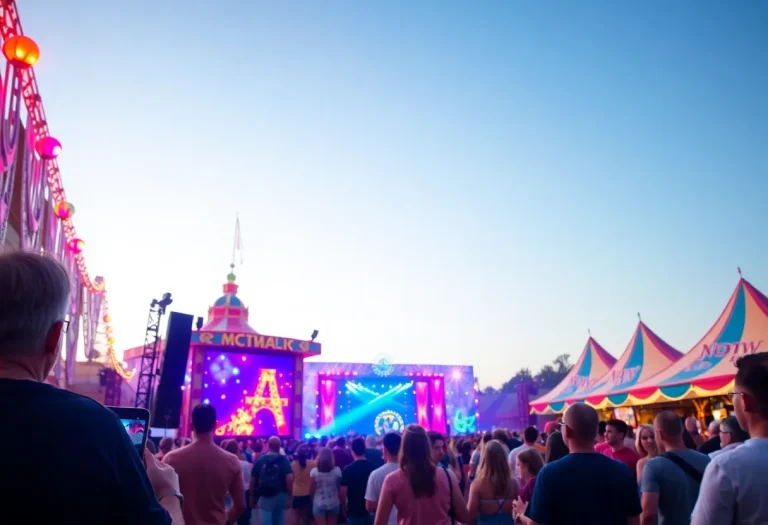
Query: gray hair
[[34, 294]]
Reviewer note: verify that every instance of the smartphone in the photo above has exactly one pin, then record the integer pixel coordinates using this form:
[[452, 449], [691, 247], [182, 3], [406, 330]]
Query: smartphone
[[136, 424]]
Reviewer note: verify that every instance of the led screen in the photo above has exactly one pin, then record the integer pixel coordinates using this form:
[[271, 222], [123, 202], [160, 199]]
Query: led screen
[[252, 394], [373, 405]]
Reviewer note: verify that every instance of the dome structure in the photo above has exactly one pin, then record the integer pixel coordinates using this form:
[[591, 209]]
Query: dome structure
[[228, 313]]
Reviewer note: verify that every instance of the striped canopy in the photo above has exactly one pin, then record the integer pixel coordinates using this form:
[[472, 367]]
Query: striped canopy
[[593, 363], [645, 356], [708, 369]]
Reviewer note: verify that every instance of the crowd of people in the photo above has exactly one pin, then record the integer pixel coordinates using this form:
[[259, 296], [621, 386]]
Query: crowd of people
[[67, 458]]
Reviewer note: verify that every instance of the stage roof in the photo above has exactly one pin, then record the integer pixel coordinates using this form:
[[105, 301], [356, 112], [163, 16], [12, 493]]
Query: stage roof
[[708, 368], [593, 363], [645, 356]]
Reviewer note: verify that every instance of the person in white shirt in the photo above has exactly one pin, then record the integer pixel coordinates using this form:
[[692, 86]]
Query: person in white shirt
[[530, 435], [391, 449], [733, 489]]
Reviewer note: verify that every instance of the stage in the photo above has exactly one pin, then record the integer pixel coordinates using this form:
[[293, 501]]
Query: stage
[[374, 398]]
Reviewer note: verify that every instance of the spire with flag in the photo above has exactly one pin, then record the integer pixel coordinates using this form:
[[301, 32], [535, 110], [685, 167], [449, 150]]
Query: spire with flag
[[237, 247]]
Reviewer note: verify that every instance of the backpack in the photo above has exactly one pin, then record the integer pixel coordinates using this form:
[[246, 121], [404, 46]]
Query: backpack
[[271, 479]]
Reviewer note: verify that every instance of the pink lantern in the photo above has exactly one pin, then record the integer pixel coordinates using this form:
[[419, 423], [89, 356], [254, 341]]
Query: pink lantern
[[76, 245], [48, 148], [64, 210]]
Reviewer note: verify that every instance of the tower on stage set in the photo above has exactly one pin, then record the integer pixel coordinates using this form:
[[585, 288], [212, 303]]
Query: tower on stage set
[[253, 380]]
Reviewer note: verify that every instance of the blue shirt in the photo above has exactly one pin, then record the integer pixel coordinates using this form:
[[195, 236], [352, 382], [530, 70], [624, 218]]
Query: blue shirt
[[584, 489]]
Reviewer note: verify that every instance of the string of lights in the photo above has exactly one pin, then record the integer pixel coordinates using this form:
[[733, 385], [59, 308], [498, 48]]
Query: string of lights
[[22, 53]]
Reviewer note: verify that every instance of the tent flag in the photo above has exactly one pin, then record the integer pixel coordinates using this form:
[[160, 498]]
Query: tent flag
[[645, 356], [709, 367], [593, 363]]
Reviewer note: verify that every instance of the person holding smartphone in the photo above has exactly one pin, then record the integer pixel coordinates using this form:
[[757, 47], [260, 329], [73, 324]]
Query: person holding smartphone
[[96, 475]]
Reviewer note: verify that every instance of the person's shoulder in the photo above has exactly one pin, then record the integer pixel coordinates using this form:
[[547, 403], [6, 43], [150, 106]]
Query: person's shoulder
[[78, 406]]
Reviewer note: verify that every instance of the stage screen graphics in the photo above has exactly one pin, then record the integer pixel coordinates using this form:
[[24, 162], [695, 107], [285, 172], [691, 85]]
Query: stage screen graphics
[[368, 405], [252, 393]]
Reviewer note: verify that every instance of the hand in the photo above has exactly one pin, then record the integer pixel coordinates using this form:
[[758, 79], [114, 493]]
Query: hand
[[163, 478], [519, 507]]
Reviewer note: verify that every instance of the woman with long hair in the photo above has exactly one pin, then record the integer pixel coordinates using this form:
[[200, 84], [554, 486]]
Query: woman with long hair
[[494, 490], [528, 464], [556, 448], [645, 444], [302, 483], [325, 488], [422, 492], [477, 454]]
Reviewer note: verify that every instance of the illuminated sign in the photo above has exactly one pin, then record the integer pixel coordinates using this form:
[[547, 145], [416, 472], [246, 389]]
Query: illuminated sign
[[255, 341], [388, 421]]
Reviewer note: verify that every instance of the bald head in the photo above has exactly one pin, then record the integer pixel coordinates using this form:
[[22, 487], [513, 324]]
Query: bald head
[[581, 420], [692, 425], [714, 428], [273, 444], [668, 423]]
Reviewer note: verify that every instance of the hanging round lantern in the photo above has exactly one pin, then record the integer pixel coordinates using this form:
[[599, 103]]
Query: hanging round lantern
[[21, 51], [48, 148], [76, 245], [64, 210], [107, 319], [111, 341]]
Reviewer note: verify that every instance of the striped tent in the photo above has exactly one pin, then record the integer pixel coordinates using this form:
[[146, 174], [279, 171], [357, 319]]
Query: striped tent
[[645, 356], [593, 363], [708, 369]]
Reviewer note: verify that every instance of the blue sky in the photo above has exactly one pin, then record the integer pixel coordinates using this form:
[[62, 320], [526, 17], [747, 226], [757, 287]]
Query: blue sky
[[462, 182]]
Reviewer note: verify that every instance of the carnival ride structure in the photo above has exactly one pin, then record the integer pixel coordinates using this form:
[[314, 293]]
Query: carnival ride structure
[[34, 211]]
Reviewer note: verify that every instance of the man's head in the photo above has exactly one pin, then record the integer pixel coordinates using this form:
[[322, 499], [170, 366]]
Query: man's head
[[341, 442], [166, 445], [358, 448], [731, 432], [203, 419], [714, 429], [273, 444], [34, 297], [391, 444], [580, 426], [615, 432], [500, 435], [370, 442], [692, 425], [669, 430], [750, 398], [530, 435], [437, 441]]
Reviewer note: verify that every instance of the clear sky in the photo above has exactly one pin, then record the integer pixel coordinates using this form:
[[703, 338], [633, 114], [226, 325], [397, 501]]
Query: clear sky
[[455, 182]]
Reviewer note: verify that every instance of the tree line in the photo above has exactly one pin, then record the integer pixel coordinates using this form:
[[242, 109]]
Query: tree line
[[548, 376]]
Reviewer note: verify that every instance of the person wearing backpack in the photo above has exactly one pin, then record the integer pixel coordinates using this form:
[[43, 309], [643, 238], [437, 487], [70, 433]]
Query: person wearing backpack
[[271, 484], [670, 481]]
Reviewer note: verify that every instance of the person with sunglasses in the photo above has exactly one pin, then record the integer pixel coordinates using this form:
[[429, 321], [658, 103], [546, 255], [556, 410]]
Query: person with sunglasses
[[733, 489]]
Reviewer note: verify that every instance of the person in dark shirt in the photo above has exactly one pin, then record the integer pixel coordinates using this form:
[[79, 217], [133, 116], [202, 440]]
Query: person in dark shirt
[[713, 444], [514, 441], [584, 487], [373, 454], [96, 475], [273, 500], [354, 480], [341, 455]]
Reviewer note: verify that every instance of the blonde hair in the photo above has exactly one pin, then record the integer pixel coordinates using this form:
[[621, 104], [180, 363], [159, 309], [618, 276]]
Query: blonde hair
[[639, 442], [494, 468]]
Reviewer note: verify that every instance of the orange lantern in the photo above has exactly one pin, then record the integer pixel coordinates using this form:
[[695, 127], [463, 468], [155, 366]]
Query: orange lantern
[[21, 51]]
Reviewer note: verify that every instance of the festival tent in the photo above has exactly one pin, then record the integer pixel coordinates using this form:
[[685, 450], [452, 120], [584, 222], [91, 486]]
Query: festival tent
[[593, 363], [645, 356], [708, 369]]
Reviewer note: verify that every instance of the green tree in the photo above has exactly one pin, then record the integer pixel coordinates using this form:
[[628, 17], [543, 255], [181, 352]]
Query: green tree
[[522, 376], [550, 375]]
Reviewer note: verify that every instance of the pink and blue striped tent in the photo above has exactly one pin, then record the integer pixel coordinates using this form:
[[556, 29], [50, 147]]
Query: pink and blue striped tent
[[645, 356], [593, 363], [708, 369]]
